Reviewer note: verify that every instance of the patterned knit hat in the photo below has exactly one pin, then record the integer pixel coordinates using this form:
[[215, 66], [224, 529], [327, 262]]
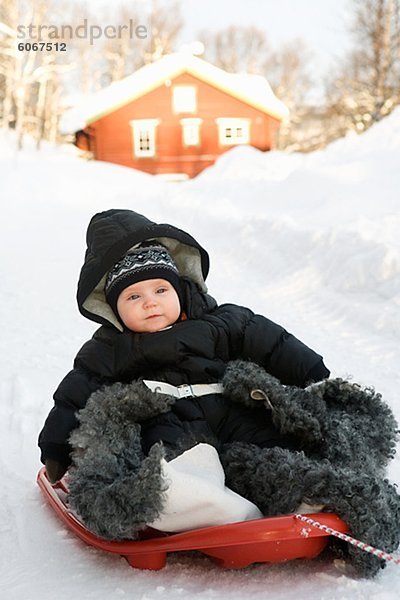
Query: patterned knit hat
[[150, 262]]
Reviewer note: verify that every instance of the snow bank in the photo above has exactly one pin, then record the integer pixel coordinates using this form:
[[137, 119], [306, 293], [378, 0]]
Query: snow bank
[[311, 241]]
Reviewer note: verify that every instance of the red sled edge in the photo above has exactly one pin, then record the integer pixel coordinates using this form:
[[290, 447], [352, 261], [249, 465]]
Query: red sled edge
[[235, 545]]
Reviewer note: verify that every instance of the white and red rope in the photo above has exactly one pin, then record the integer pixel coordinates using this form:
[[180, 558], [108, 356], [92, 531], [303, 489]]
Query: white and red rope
[[347, 538]]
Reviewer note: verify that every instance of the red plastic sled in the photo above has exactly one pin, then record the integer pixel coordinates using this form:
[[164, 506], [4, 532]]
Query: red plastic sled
[[236, 545]]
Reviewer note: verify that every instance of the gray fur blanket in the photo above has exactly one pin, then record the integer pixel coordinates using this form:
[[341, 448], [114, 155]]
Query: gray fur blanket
[[346, 434]]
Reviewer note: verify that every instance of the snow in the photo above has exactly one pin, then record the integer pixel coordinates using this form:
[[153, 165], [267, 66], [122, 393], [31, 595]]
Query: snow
[[311, 241]]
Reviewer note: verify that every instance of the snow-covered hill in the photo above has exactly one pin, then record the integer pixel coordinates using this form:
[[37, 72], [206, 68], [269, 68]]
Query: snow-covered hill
[[311, 241]]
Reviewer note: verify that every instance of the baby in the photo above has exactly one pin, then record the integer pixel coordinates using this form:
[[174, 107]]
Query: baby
[[145, 283], [143, 303]]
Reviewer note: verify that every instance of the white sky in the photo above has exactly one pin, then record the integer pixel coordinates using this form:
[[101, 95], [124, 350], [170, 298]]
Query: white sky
[[322, 24]]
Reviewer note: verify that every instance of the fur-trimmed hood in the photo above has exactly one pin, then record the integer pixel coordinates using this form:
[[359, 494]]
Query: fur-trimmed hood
[[110, 235]]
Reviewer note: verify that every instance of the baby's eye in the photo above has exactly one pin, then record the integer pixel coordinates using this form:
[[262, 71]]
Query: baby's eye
[[133, 297], [162, 290]]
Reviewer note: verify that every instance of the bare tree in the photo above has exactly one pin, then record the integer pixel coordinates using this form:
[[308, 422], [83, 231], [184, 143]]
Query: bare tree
[[30, 78], [124, 55], [165, 24], [86, 58], [288, 70], [8, 33], [237, 49], [367, 85]]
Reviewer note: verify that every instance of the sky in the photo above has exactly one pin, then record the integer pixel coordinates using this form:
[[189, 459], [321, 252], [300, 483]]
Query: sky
[[322, 24]]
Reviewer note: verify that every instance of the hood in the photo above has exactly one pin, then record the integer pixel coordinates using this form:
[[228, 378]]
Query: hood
[[110, 235]]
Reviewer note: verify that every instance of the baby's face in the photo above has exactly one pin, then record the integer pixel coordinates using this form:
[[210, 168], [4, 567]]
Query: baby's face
[[149, 306]]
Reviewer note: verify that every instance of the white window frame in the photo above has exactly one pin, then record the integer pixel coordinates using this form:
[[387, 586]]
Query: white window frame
[[139, 127], [228, 131], [191, 131], [184, 99]]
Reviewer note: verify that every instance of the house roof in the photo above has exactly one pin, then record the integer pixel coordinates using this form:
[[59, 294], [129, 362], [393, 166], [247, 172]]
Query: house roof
[[251, 89]]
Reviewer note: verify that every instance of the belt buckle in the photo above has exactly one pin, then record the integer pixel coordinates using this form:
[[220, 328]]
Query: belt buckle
[[185, 390]]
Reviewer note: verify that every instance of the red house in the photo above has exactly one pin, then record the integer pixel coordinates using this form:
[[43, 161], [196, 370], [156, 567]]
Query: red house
[[176, 115]]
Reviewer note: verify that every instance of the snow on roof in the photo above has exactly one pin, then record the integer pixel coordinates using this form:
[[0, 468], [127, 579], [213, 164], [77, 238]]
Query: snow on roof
[[251, 89]]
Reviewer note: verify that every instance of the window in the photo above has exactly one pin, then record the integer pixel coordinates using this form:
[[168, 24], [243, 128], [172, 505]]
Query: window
[[191, 131], [144, 137], [184, 99], [233, 131]]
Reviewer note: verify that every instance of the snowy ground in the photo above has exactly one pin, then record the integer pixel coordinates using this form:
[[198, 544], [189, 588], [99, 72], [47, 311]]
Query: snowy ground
[[310, 241]]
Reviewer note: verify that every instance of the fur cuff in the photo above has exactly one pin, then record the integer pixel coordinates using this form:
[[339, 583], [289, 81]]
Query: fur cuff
[[294, 411], [114, 488]]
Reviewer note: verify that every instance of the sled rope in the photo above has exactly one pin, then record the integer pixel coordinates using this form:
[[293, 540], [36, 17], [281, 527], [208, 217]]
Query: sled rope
[[347, 538]]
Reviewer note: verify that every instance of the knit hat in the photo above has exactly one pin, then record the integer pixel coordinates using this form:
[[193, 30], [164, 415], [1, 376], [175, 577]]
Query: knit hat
[[150, 262]]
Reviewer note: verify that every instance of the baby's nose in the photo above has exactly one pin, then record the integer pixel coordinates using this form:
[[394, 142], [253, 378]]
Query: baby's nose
[[150, 301]]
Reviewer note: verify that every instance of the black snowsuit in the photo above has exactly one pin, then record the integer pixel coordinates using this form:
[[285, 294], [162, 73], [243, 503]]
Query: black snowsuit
[[194, 350]]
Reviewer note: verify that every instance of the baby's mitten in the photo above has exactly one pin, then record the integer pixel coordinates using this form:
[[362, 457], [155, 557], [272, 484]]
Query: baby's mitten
[[54, 470]]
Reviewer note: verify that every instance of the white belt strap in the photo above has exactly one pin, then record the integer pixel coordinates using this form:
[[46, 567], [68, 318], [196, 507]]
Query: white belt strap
[[184, 391]]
